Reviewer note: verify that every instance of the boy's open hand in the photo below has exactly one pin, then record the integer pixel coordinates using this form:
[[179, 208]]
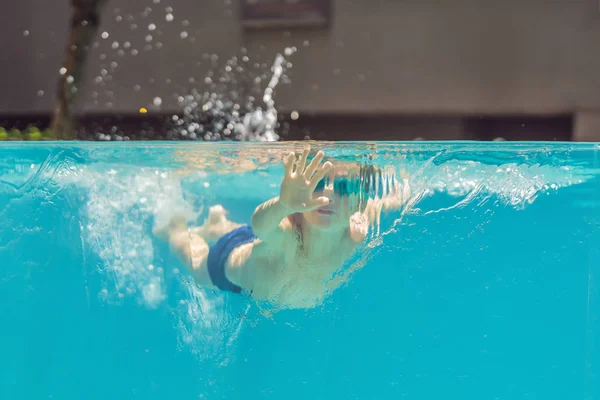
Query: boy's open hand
[[300, 181]]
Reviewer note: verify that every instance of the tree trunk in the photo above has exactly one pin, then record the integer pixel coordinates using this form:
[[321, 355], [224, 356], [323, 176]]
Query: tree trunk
[[85, 19]]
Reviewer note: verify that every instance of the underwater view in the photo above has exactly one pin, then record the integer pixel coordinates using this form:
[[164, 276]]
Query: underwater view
[[348, 271]]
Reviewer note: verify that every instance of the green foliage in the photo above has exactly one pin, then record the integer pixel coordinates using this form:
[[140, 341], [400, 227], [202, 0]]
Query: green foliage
[[49, 135], [32, 133], [15, 134]]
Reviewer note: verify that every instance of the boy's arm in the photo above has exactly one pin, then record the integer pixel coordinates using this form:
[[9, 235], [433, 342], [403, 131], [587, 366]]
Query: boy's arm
[[269, 219], [296, 195]]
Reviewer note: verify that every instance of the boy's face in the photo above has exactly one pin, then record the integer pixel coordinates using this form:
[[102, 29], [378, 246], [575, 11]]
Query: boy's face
[[337, 213]]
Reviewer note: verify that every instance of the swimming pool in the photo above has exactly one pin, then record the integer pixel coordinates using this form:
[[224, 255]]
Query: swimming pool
[[483, 286]]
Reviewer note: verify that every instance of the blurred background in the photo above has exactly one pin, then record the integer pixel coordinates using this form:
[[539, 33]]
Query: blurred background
[[351, 69]]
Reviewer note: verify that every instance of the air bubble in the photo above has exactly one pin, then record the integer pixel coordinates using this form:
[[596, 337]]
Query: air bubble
[[70, 79], [40, 93], [169, 17], [295, 115], [25, 33], [157, 101], [115, 45], [183, 35], [151, 27], [62, 71], [105, 35]]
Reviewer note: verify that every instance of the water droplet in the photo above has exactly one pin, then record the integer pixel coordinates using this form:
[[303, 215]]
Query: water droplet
[[151, 27], [137, 88], [184, 35], [148, 38], [295, 115], [207, 80], [119, 18], [62, 71], [113, 64], [169, 17], [105, 35], [103, 72], [98, 79], [134, 52], [289, 51], [159, 45], [245, 59], [115, 45], [157, 101], [127, 45], [40, 93], [185, 23], [70, 79], [25, 33]]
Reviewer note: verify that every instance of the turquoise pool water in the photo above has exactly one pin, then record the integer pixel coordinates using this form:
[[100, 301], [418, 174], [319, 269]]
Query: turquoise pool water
[[484, 286]]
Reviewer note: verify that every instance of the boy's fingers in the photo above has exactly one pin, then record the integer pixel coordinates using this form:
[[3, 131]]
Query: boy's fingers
[[325, 168], [302, 161], [289, 163], [314, 164]]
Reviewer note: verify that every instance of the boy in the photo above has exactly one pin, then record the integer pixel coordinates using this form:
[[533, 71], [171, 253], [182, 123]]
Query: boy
[[296, 241]]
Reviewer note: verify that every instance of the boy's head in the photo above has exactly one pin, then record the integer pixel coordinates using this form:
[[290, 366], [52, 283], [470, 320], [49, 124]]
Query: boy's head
[[345, 186]]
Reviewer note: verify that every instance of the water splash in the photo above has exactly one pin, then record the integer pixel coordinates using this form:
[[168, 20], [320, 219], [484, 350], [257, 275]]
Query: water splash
[[225, 113]]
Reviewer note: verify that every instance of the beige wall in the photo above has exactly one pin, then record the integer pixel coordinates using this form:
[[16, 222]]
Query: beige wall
[[423, 57]]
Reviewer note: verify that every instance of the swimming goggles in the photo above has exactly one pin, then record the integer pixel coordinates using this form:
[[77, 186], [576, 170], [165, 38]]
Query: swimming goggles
[[342, 186]]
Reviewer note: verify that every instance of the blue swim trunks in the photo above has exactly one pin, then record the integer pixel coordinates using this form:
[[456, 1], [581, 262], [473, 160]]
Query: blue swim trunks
[[219, 253]]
